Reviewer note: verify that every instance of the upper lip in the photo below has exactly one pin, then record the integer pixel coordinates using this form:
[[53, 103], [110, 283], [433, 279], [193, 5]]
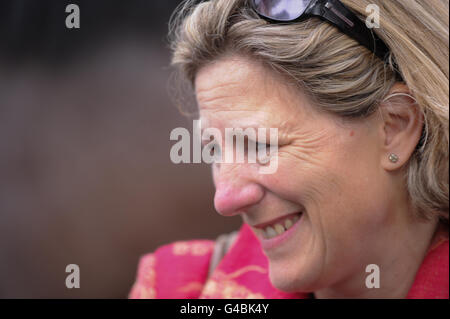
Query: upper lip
[[274, 221]]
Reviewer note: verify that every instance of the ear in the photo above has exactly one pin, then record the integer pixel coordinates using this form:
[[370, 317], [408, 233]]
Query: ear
[[401, 126]]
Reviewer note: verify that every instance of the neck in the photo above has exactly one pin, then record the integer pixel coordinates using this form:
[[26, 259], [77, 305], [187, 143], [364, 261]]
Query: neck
[[397, 262]]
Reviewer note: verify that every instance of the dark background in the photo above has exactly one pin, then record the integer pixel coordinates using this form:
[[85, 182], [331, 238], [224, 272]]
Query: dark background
[[85, 173]]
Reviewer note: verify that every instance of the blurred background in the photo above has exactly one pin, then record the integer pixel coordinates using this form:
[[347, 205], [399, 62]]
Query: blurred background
[[85, 173]]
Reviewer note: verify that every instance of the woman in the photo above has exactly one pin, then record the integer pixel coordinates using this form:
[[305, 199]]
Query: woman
[[358, 205]]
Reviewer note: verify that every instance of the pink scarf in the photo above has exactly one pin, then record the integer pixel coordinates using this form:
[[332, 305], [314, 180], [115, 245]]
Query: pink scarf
[[180, 270]]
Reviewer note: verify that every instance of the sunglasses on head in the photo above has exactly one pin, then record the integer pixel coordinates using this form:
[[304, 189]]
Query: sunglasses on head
[[332, 11]]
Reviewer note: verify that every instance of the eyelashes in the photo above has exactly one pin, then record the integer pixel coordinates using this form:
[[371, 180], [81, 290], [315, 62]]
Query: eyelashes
[[261, 146], [257, 151], [212, 144]]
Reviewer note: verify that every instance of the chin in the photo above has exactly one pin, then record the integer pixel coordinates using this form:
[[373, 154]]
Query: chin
[[291, 280]]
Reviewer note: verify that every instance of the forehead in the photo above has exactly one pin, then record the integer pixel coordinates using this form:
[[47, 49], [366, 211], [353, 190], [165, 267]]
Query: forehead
[[229, 76], [236, 87]]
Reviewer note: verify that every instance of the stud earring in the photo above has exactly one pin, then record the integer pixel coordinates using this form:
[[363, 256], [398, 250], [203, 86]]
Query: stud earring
[[393, 158]]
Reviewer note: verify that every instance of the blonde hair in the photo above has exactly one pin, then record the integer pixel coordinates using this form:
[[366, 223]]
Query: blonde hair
[[337, 73]]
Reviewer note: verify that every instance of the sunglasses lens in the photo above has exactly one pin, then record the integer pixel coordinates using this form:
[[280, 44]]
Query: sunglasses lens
[[281, 10]]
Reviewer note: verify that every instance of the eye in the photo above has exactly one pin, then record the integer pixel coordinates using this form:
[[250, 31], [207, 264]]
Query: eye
[[262, 146], [257, 149]]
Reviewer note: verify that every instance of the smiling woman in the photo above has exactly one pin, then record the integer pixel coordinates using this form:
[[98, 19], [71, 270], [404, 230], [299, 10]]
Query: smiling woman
[[362, 175]]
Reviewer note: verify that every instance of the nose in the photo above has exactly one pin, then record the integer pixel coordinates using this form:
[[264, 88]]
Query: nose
[[233, 196]]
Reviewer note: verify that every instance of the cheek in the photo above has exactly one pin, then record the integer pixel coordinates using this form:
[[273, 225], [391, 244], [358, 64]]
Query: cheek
[[339, 185], [350, 210], [302, 178]]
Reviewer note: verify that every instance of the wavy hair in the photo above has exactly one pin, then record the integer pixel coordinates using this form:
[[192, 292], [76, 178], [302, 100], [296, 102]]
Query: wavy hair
[[337, 73]]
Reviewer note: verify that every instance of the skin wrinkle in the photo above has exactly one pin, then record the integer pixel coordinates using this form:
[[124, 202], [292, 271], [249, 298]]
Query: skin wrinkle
[[210, 91], [297, 49], [352, 204], [322, 270], [361, 208], [308, 140]]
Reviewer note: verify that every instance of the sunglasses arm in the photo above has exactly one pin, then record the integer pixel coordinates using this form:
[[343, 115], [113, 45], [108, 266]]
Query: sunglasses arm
[[333, 11]]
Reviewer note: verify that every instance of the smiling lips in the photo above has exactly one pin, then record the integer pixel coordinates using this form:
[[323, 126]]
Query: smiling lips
[[278, 226]]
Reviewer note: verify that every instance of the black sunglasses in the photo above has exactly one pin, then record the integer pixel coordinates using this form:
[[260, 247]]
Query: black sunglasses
[[332, 11]]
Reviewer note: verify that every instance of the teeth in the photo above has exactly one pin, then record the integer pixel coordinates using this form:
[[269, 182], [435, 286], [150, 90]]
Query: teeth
[[270, 232], [278, 229], [288, 223]]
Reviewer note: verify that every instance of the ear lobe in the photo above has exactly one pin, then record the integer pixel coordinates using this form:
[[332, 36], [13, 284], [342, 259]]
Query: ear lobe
[[402, 123]]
